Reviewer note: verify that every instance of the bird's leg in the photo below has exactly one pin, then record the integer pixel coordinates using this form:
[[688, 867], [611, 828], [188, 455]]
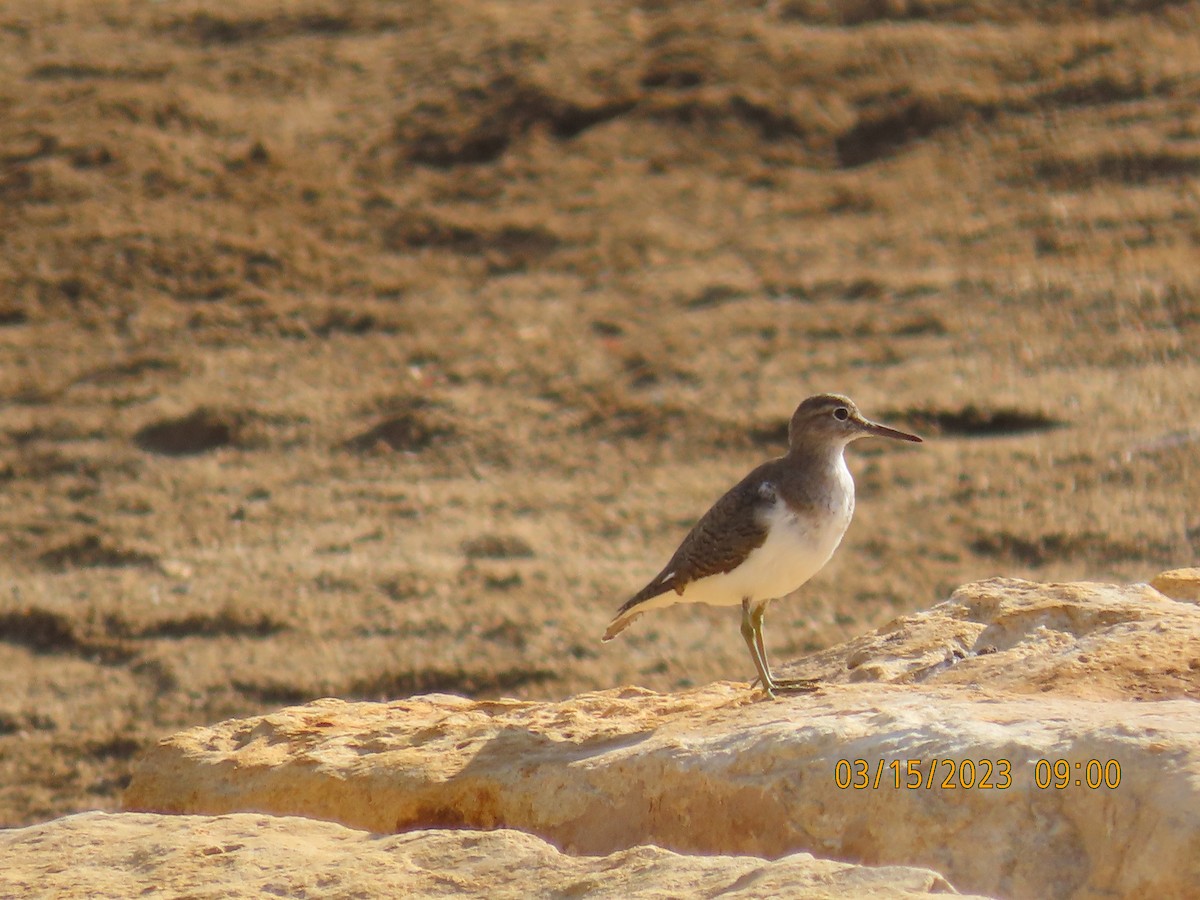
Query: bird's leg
[[750, 634], [757, 617], [797, 685]]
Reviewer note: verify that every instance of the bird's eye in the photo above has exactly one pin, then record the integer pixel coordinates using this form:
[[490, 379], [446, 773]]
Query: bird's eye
[[841, 414]]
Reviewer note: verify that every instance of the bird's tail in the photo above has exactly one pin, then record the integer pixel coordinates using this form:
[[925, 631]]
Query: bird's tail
[[634, 608], [620, 622]]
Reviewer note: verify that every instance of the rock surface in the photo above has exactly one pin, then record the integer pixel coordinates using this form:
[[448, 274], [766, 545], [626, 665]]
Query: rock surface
[[1009, 675], [246, 855], [1179, 584]]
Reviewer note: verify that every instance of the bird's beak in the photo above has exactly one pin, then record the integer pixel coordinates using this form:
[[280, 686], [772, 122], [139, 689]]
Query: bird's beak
[[874, 428]]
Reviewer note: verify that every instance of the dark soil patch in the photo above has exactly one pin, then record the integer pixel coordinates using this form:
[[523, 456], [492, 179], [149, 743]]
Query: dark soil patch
[[92, 551], [974, 421], [198, 432]]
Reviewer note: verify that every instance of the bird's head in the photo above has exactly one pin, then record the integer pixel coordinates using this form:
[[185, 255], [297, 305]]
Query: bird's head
[[834, 420]]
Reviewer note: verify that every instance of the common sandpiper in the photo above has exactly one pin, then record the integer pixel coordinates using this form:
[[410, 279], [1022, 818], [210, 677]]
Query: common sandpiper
[[771, 532]]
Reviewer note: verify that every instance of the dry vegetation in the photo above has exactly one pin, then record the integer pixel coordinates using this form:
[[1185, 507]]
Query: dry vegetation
[[367, 348]]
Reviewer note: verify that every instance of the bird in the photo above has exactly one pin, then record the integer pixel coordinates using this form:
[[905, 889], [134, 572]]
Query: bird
[[771, 532]]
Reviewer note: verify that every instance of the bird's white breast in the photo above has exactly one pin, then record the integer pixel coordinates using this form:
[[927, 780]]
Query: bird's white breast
[[796, 548]]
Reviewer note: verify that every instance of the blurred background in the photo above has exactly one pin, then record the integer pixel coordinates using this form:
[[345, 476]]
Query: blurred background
[[361, 349]]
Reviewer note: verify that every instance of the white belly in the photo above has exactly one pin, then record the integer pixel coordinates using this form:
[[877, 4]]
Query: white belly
[[795, 550]]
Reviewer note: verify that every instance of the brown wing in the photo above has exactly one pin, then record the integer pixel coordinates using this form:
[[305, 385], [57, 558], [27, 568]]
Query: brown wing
[[725, 535]]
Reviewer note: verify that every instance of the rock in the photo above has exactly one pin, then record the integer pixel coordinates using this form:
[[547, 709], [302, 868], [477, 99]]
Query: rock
[[249, 855], [1084, 640], [1179, 584], [1010, 676]]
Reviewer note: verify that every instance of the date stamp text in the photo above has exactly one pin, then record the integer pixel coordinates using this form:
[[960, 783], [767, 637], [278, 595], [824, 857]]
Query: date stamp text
[[972, 774]]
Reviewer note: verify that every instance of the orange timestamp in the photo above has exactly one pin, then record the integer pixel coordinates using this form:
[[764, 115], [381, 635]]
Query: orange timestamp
[[971, 774], [1062, 773], [915, 774]]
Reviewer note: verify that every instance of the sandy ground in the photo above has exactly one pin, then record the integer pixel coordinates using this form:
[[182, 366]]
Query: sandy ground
[[365, 348]]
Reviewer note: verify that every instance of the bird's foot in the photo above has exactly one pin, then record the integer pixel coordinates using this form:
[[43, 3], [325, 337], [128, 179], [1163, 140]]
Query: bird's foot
[[788, 686], [768, 690], [797, 685]]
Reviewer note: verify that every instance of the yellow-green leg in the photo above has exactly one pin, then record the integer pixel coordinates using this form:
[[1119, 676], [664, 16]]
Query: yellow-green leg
[[759, 651], [752, 635]]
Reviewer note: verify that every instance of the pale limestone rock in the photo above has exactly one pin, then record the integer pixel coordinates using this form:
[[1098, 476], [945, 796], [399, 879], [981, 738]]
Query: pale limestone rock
[[1179, 584], [1086, 640], [247, 855], [1003, 671]]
